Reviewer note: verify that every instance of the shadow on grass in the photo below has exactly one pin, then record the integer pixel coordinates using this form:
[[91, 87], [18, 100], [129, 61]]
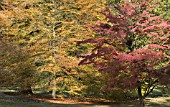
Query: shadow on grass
[[24, 103], [11, 99]]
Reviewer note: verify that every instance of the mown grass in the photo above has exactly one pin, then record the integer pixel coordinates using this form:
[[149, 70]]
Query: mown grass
[[7, 100], [19, 102]]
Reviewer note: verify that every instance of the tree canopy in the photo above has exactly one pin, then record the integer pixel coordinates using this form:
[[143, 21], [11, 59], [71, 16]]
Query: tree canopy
[[122, 45], [132, 46]]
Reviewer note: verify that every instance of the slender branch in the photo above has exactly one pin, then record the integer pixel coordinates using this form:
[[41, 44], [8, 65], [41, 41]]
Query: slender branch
[[150, 89]]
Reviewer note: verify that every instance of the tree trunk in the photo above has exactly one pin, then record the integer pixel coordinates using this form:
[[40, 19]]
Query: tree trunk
[[141, 98], [53, 93], [27, 90], [54, 89], [142, 103]]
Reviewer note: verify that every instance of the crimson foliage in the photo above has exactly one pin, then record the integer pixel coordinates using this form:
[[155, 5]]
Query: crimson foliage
[[132, 45]]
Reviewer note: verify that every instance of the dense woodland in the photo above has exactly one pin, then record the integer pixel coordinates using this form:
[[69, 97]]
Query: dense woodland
[[112, 49]]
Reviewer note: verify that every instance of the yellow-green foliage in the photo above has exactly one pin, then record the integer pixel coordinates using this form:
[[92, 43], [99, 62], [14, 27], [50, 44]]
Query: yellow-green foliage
[[16, 69], [48, 30]]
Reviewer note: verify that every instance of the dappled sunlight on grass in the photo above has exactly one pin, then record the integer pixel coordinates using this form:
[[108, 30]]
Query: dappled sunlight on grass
[[158, 102], [20, 103], [14, 99]]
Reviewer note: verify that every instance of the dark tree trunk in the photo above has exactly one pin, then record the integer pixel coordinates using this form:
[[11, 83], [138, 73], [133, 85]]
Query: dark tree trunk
[[142, 103], [141, 98], [28, 90]]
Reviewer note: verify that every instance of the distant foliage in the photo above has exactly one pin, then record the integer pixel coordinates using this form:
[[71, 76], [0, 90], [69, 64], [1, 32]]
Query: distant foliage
[[16, 69]]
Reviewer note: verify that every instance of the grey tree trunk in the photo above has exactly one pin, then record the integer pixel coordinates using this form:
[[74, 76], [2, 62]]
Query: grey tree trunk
[[54, 89]]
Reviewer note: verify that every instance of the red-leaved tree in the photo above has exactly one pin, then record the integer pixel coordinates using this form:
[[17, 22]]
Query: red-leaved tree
[[132, 45]]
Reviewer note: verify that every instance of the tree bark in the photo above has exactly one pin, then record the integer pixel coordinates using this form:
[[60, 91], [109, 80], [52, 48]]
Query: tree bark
[[27, 90], [141, 98], [54, 89], [142, 103]]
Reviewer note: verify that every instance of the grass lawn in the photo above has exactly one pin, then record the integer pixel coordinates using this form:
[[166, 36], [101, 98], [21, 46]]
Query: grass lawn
[[17, 101], [45, 104], [12, 100]]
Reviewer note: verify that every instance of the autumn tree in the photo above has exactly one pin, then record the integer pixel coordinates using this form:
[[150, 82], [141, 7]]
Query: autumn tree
[[163, 9], [48, 30], [16, 69], [132, 46], [63, 24]]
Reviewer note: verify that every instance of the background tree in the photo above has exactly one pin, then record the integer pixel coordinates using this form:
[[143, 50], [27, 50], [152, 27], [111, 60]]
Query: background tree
[[15, 61], [132, 47], [163, 9], [16, 69], [48, 30]]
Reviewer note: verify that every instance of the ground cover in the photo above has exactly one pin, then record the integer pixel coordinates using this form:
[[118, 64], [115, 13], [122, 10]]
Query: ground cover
[[15, 100]]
